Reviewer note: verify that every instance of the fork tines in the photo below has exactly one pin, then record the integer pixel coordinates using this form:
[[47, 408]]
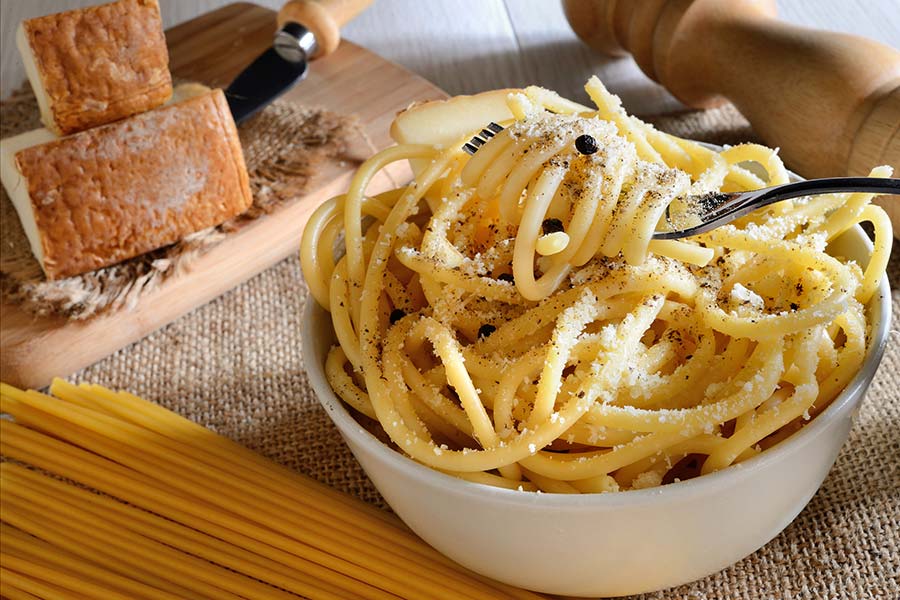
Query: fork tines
[[481, 139]]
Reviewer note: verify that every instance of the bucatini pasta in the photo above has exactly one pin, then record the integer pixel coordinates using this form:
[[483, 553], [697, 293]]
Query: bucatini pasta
[[508, 319]]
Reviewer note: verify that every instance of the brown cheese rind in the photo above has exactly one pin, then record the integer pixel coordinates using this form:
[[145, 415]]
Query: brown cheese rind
[[114, 192], [100, 64]]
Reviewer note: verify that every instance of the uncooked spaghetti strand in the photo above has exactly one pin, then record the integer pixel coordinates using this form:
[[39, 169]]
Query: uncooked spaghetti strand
[[199, 482], [99, 554], [461, 581], [30, 586], [158, 419], [204, 442], [194, 487], [13, 593], [36, 489], [204, 578], [85, 569], [44, 452], [69, 582]]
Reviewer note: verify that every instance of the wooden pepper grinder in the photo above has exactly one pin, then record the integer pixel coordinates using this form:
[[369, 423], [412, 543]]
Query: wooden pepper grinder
[[830, 101]]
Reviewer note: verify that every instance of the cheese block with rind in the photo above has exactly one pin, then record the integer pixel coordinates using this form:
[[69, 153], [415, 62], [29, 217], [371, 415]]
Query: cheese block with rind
[[95, 65], [103, 195]]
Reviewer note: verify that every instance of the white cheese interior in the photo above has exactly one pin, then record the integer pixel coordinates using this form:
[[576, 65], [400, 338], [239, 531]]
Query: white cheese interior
[[185, 91], [34, 77], [445, 122], [17, 187]]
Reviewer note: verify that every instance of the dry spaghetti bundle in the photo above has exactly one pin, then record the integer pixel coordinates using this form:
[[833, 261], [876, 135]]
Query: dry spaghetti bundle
[[185, 513], [508, 319]]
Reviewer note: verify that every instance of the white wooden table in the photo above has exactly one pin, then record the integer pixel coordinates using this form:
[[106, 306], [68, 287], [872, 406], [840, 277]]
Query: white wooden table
[[466, 46]]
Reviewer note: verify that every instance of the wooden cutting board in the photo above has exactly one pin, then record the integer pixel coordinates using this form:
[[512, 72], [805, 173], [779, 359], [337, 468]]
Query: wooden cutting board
[[213, 49]]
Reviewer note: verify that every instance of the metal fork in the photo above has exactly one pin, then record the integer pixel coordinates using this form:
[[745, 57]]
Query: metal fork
[[718, 208], [472, 146]]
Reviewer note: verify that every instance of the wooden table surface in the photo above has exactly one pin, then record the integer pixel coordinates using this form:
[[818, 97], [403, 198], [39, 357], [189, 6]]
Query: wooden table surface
[[466, 46]]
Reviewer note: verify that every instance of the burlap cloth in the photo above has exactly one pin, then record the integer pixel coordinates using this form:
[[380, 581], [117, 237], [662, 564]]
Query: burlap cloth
[[235, 366]]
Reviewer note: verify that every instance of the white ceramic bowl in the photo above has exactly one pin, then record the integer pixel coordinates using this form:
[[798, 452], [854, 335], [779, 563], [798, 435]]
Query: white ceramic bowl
[[609, 544]]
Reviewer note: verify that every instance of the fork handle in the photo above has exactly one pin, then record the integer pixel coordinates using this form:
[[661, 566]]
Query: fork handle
[[746, 202], [753, 200], [829, 185]]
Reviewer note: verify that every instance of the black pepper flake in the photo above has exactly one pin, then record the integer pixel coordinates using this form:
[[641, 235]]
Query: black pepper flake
[[486, 330], [506, 277], [552, 226], [794, 306], [586, 144], [396, 315]]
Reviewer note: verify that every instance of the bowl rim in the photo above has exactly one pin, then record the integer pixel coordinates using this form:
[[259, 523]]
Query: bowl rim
[[849, 397]]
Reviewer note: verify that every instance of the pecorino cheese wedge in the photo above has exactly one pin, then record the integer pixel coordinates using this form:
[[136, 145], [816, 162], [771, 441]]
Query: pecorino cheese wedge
[[100, 196], [92, 66]]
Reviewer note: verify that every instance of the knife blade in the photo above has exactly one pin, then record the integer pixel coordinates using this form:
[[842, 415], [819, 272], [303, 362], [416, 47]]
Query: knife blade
[[308, 29]]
